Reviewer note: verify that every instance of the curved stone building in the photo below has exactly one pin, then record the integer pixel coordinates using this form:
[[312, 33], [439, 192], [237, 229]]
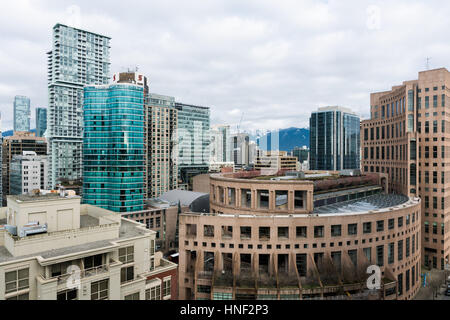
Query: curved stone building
[[300, 236]]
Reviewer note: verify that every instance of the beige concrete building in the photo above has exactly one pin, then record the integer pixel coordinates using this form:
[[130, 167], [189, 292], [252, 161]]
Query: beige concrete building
[[275, 161], [408, 138], [162, 125], [300, 238], [51, 247]]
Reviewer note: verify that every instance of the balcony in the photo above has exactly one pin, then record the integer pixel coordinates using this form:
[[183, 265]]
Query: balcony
[[79, 274]]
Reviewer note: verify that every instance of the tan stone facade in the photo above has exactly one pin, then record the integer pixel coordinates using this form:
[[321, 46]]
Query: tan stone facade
[[408, 138], [254, 246]]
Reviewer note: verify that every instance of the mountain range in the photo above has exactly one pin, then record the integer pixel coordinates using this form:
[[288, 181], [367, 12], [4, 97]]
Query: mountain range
[[288, 139]]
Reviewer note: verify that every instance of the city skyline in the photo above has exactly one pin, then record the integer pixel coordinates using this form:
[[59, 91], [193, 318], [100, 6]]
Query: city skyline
[[246, 74]]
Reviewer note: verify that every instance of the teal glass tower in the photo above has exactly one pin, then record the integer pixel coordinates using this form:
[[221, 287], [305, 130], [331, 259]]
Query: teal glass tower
[[113, 147]]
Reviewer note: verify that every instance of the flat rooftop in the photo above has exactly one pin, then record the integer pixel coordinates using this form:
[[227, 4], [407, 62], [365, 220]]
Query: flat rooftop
[[374, 202], [127, 230], [40, 197]]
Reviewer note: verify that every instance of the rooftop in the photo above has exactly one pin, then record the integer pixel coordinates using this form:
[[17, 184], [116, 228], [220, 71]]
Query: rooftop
[[374, 202], [128, 229], [184, 197], [39, 197]]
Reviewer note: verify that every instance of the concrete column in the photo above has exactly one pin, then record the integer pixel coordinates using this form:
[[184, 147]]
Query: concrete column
[[238, 197], [225, 196]]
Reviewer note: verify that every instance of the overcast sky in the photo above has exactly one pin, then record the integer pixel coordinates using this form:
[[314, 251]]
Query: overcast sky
[[272, 62]]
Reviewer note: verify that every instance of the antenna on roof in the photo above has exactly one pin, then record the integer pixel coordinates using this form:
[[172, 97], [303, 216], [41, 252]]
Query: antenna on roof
[[428, 63]]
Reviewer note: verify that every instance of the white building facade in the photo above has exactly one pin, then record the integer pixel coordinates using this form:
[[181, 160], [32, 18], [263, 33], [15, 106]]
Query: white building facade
[[28, 173]]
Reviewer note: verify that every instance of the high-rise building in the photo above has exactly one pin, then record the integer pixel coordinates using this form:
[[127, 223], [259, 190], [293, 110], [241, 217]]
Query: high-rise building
[[160, 129], [41, 121], [113, 147], [220, 143], [78, 58], [162, 123], [334, 139], [28, 173], [239, 149], [193, 141], [22, 113], [408, 138], [252, 152], [16, 145], [50, 239], [302, 154]]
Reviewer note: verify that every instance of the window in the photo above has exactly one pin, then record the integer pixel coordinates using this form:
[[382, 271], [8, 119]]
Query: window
[[99, 290], [208, 231], [283, 232], [318, 231], [336, 230], [391, 224], [126, 255], [380, 256], [153, 293], [246, 232], [126, 274], [166, 288], [353, 255], [133, 296], [367, 227], [400, 250], [391, 253], [16, 280], [400, 284], [408, 246], [380, 225], [368, 253], [301, 232], [400, 222], [352, 229]]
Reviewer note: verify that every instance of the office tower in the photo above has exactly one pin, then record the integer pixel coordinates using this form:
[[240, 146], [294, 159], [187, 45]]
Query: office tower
[[302, 153], [41, 121], [28, 173], [113, 147], [78, 58], [407, 138], [193, 141], [239, 149], [140, 80], [113, 258], [16, 145], [334, 139], [252, 152], [162, 123], [22, 113], [220, 143], [300, 237]]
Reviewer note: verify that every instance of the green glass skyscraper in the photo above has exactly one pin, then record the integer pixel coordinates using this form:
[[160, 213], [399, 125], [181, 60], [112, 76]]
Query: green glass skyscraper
[[113, 147]]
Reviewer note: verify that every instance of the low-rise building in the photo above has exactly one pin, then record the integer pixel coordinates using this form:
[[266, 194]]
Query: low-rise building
[[276, 160], [54, 248]]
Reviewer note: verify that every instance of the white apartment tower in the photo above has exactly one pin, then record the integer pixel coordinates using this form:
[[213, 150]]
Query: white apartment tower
[[78, 58], [28, 172], [220, 143]]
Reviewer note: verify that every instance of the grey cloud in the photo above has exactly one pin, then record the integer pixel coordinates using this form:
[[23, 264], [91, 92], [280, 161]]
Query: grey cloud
[[273, 61]]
